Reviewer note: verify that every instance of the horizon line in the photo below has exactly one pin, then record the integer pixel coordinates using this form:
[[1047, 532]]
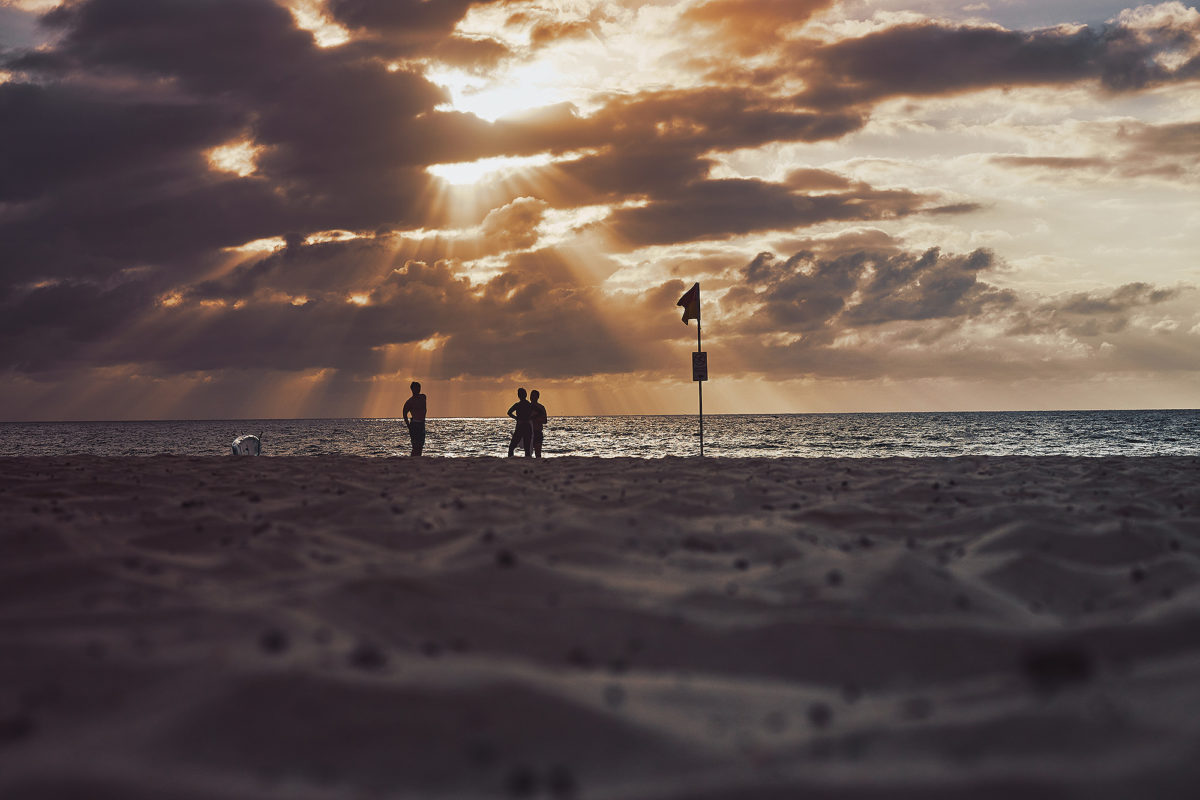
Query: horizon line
[[594, 416]]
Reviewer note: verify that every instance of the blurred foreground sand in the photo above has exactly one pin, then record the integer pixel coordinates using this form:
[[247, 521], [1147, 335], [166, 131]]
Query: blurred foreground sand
[[599, 628]]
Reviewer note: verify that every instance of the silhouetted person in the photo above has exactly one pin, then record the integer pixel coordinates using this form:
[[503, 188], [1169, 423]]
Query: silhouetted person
[[537, 419], [415, 406], [521, 411]]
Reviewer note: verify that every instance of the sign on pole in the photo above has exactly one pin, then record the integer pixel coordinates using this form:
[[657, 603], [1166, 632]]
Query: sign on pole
[[699, 366]]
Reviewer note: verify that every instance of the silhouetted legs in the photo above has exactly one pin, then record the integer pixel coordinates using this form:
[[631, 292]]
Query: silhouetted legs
[[537, 441], [416, 430], [523, 434]]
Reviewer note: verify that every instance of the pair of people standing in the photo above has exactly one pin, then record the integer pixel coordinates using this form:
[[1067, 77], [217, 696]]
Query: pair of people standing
[[531, 417]]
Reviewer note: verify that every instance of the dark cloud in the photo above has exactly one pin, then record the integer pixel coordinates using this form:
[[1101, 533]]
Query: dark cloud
[[648, 144], [934, 59], [816, 180], [1089, 314], [246, 46], [414, 21], [303, 270], [716, 118], [716, 209], [1049, 162], [852, 313], [849, 288], [409, 305], [324, 306], [550, 31], [322, 112], [807, 293], [117, 206], [340, 268], [535, 317], [683, 124], [477, 55], [55, 137], [172, 220], [1179, 139], [617, 174], [118, 172], [1124, 298], [57, 326], [933, 286]]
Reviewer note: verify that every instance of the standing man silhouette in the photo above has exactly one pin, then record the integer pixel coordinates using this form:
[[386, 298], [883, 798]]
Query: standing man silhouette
[[521, 411], [415, 406], [537, 420]]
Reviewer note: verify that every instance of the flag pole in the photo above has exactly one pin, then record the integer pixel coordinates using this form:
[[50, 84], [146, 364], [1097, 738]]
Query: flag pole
[[700, 389], [691, 310]]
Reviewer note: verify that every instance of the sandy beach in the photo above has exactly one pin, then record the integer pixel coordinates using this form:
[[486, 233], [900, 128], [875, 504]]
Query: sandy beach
[[334, 627]]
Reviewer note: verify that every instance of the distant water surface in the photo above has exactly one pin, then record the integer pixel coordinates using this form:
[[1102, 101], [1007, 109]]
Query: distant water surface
[[1080, 433]]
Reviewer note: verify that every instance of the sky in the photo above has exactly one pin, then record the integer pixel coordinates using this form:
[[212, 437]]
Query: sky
[[293, 208]]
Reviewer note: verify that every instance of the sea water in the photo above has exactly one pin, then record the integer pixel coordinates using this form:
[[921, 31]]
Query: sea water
[[1078, 433]]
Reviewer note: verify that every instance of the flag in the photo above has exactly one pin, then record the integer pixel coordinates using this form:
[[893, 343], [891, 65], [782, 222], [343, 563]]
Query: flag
[[691, 304]]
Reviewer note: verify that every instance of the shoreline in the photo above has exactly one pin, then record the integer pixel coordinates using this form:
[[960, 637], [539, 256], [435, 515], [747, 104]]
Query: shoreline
[[331, 626]]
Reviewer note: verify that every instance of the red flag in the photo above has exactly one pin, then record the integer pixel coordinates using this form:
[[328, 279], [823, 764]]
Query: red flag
[[691, 304]]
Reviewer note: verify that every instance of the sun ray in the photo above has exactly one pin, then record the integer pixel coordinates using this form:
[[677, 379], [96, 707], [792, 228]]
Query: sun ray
[[469, 173]]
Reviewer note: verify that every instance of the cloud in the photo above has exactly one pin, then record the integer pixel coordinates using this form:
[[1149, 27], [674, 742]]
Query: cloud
[[548, 32], [1124, 298], [1090, 314], [412, 22], [411, 304], [931, 58], [119, 114], [340, 268], [326, 306], [1123, 151], [816, 180], [841, 311], [862, 288], [514, 226], [1050, 162], [335, 269], [474, 54], [56, 136], [56, 326], [1178, 139], [690, 121], [752, 25], [546, 24], [716, 209]]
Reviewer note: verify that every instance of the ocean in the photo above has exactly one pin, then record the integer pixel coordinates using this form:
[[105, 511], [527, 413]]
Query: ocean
[[1076, 433]]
